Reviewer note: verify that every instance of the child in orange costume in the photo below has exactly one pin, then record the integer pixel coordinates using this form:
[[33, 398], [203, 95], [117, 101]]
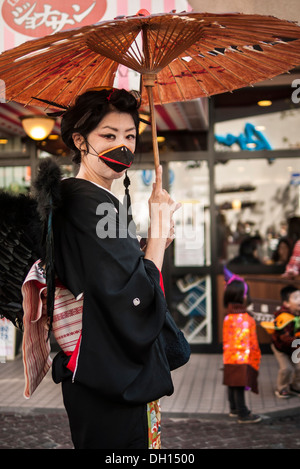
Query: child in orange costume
[[241, 352]]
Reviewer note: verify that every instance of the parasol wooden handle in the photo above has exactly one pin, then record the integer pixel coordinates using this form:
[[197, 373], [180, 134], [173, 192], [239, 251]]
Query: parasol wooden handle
[[148, 80]]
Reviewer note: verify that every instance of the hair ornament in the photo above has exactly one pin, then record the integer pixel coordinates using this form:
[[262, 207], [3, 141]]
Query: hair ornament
[[137, 95], [83, 119], [230, 277], [52, 103]]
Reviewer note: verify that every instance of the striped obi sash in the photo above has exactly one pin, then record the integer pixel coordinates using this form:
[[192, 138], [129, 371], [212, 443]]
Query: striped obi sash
[[67, 324]]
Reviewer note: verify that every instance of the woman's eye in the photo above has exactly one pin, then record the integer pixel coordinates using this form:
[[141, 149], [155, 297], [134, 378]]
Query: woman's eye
[[109, 136], [131, 137]]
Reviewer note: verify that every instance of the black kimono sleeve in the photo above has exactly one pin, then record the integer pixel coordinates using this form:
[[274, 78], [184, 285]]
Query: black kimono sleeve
[[121, 353]]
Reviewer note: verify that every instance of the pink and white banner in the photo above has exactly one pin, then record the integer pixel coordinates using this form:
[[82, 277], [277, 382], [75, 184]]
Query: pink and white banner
[[23, 20]]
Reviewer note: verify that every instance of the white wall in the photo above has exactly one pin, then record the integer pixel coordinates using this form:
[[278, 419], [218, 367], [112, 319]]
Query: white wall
[[284, 9]]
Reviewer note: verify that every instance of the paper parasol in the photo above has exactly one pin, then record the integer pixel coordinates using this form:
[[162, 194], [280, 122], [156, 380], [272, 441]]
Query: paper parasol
[[180, 56]]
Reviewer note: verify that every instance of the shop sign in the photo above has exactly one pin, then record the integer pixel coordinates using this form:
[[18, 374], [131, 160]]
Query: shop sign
[[251, 139], [7, 340], [38, 19], [295, 179]]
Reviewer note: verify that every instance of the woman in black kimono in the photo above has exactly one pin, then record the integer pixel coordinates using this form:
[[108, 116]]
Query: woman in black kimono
[[118, 366]]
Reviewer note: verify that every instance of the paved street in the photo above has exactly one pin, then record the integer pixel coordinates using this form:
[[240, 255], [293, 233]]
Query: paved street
[[270, 433], [49, 430], [194, 418]]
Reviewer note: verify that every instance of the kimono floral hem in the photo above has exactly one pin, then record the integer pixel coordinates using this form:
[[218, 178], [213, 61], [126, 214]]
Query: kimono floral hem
[[154, 424]]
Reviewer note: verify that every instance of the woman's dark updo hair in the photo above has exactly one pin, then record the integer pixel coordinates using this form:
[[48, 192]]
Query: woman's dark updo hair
[[90, 108], [235, 293]]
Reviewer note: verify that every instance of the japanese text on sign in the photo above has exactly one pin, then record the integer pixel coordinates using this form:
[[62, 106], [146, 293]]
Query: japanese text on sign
[[32, 18]]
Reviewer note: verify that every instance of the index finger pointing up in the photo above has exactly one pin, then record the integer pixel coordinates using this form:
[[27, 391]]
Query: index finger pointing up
[[158, 178]]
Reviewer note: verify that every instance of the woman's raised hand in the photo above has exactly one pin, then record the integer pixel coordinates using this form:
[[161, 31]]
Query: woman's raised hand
[[161, 230], [161, 210]]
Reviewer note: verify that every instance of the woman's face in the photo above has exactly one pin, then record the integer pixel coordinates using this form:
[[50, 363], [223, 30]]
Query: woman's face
[[114, 129], [283, 252]]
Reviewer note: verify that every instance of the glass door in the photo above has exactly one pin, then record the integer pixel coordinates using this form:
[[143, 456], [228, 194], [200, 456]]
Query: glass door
[[191, 280]]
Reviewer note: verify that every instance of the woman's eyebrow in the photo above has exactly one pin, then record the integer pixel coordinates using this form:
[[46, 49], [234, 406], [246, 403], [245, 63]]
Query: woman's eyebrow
[[117, 130], [109, 127]]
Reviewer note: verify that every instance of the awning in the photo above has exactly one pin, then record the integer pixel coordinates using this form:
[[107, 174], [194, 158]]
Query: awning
[[10, 123]]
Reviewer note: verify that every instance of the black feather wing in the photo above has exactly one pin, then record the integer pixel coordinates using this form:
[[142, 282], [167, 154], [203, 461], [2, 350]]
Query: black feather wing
[[47, 193], [20, 235]]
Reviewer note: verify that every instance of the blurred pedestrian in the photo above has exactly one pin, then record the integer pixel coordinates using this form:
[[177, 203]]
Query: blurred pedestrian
[[241, 352], [287, 330], [248, 253], [223, 233], [293, 267], [283, 252]]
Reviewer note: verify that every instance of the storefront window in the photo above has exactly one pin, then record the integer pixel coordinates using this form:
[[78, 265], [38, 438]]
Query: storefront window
[[13, 143], [255, 198], [15, 178], [191, 293], [190, 186], [191, 307]]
